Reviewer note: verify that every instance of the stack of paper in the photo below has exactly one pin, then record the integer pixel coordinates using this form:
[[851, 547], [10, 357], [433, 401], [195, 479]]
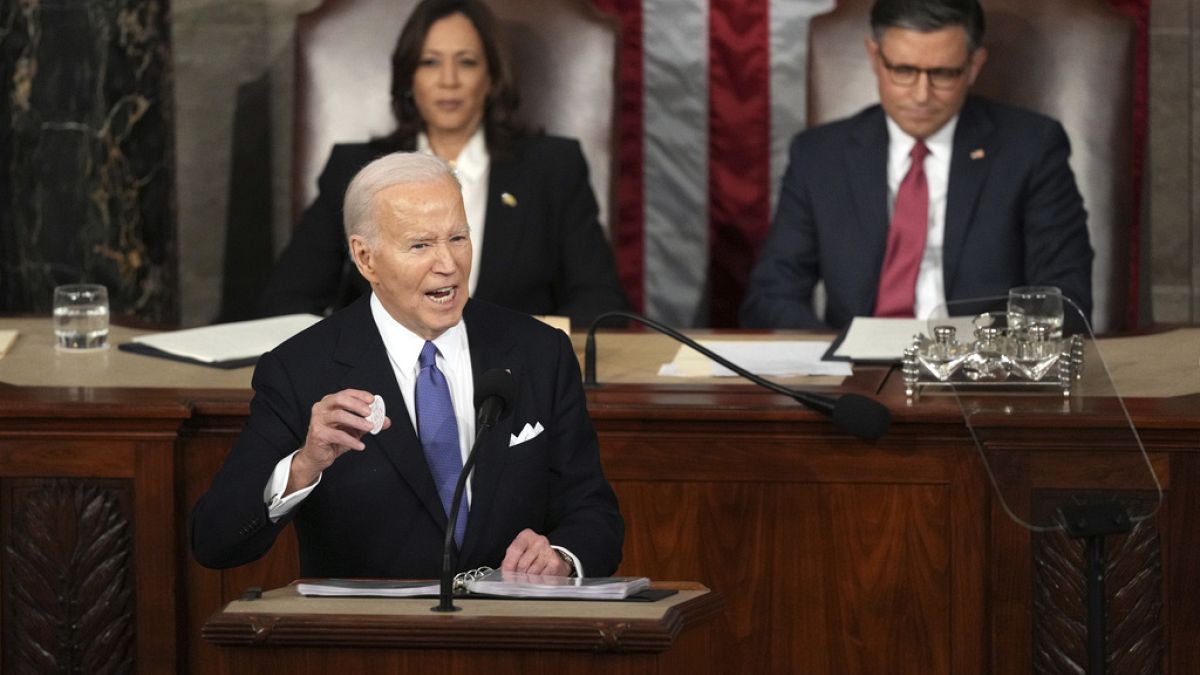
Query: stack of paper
[[225, 345], [382, 588], [885, 339]]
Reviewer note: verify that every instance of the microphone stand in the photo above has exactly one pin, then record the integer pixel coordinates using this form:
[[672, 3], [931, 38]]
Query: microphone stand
[[446, 591], [821, 404]]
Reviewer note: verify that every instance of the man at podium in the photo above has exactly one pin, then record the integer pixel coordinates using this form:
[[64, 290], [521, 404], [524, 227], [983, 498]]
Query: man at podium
[[369, 493]]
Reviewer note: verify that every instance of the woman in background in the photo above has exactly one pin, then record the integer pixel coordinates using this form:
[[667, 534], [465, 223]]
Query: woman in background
[[537, 242]]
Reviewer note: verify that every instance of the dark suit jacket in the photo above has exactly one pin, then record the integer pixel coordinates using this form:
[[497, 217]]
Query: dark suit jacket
[[544, 255], [1014, 217], [376, 513]]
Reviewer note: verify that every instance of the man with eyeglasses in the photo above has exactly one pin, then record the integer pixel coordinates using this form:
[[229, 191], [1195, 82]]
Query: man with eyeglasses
[[931, 196]]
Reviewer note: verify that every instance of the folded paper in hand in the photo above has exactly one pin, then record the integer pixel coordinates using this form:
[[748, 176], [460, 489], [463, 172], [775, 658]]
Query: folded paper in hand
[[226, 345]]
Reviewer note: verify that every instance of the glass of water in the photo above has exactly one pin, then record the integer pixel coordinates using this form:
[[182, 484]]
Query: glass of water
[[81, 317], [1029, 305]]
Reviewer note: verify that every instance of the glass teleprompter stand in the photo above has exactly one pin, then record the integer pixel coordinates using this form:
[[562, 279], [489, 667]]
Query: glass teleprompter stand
[[1060, 450]]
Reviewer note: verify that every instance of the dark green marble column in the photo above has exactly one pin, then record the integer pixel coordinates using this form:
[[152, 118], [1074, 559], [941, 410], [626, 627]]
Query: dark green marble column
[[87, 154]]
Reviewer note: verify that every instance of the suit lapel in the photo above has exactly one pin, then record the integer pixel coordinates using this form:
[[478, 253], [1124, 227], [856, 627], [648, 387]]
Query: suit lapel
[[969, 165], [361, 349], [489, 349], [866, 165], [502, 233]]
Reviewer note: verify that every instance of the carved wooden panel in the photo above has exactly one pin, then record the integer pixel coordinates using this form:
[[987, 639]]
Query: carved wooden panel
[[1133, 598], [68, 593]]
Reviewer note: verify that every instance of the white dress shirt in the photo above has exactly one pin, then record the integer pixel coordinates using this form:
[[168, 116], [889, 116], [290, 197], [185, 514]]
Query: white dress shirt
[[403, 349], [930, 295], [472, 167]]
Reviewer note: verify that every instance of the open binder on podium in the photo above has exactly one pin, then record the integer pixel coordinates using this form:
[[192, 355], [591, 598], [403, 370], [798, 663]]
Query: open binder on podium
[[1049, 374], [490, 583]]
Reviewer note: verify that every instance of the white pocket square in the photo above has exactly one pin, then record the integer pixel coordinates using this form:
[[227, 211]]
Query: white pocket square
[[529, 433]]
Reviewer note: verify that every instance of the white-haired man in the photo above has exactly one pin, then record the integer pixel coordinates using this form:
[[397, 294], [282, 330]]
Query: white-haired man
[[368, 505]]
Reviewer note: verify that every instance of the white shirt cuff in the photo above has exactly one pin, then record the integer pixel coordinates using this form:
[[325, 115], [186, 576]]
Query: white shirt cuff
[[279, 506], [578, 566]]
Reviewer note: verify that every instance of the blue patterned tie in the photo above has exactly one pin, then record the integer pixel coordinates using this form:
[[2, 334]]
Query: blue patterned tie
[[439, 434]]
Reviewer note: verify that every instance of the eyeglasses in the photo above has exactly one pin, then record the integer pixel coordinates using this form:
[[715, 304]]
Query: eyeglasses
[[939, 78]]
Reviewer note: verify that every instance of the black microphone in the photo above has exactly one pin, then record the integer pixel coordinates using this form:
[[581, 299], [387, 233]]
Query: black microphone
[[494, 392], [858, 415]]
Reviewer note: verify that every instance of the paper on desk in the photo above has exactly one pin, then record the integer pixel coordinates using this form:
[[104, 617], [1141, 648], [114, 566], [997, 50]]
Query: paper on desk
[[7, 338], [771, 358], [229, 341], [562, 323], [880, 339]]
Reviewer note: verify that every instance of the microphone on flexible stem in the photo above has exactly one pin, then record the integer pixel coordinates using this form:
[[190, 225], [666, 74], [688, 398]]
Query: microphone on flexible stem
[[858, 415], [494, 392]]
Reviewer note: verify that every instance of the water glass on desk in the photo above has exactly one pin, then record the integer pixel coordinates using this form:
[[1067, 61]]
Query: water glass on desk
[[81, 317], [1028, 305]]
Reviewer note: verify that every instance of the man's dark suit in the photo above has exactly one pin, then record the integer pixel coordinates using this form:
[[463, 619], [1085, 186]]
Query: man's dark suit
[[543, 249], [376, 513], [1014, 217]]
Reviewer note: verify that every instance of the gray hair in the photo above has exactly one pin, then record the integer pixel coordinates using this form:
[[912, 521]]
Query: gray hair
[[398, 168], [925, 16]]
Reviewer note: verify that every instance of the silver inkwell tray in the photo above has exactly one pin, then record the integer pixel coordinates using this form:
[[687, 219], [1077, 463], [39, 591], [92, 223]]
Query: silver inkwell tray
[[1003, 350]]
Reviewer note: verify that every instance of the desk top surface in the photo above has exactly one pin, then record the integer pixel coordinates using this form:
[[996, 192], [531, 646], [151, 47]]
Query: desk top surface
[[34, 360], [1163, 367], [627, 358]]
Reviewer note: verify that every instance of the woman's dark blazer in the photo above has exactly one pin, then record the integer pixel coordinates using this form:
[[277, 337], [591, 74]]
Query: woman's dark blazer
[[543, 249]]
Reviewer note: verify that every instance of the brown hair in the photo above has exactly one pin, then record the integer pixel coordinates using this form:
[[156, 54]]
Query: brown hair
[[499, 125]]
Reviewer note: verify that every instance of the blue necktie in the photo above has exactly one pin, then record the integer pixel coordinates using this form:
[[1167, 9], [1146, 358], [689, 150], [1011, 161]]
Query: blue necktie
[[439, 434]]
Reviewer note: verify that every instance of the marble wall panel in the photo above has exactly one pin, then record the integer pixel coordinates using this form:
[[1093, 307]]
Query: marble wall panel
[[86, 154]]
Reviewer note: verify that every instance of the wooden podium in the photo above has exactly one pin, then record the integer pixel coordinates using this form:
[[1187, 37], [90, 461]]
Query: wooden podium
[[285, 632]]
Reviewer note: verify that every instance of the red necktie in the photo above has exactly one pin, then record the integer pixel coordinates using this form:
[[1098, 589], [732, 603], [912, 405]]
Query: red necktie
[[906, 240]]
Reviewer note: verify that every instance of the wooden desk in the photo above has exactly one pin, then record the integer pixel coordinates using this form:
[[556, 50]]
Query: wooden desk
[[835, 556], [285, 632]]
